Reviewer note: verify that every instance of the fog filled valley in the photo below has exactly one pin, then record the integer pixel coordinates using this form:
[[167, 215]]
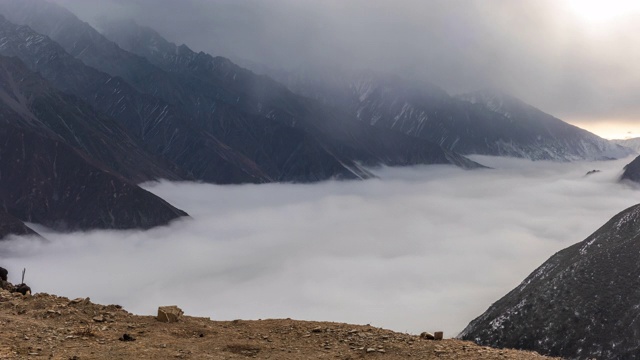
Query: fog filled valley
[[365, 172], [424, 247]]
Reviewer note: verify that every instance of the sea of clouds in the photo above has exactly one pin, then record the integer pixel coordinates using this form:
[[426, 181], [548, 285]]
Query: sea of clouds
[[419, 248]]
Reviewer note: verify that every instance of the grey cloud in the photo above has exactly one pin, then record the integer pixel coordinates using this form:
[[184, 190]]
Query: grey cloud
[[535, 49], [422, 248]]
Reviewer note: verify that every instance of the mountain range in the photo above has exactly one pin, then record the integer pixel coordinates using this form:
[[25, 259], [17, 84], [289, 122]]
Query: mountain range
[[89, 115], [487, 122], [288, 137]]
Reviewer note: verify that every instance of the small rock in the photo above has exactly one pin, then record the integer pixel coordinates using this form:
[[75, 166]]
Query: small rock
[[98, 318], [127, 337], [79, 300], [438, 335], [23, 289], [316, 330], [169, 314], [427, 335], [371, 350]]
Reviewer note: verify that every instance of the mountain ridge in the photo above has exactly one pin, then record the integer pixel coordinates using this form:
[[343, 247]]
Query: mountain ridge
[[54, 175], [281, 153], [575, 304], [265, 97], [458, 123]]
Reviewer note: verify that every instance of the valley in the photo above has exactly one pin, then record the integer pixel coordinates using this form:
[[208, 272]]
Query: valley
[[456, 242], [398, 166]]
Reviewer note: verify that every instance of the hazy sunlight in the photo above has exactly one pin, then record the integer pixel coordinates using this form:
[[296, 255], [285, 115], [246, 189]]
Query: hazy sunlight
[[600, 11]]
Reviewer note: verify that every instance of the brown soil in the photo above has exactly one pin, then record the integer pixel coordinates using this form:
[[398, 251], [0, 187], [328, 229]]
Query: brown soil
[[49, 327]]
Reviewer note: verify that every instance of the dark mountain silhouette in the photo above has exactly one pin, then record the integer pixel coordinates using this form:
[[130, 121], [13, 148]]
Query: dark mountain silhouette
[[632, 171], [582, 303]]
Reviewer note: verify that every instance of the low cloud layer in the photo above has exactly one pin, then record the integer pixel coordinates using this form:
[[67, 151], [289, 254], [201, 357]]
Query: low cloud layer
[[421, 248], [567, 57]]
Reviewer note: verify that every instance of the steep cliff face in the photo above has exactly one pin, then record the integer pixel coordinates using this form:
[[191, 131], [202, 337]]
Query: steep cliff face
[[582, 303]]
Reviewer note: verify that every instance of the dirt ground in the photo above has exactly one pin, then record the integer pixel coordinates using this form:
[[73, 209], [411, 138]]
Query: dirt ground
[[45, 326]]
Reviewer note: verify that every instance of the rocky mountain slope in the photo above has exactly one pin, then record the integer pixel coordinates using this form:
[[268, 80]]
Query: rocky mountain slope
[[51, 111], [58, 328], [582, 303], [485, 122], [161, 128], [538, 135], [53, 160]]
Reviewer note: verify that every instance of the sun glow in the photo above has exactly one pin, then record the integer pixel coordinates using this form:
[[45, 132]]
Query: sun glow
[[610, 129], [603, 11]]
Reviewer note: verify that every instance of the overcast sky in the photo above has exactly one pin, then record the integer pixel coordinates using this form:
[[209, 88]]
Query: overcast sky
[[577, 59], [422, 249]]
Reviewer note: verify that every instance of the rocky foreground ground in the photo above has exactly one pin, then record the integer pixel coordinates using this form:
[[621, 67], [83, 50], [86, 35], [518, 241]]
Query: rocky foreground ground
[[51, 327]]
